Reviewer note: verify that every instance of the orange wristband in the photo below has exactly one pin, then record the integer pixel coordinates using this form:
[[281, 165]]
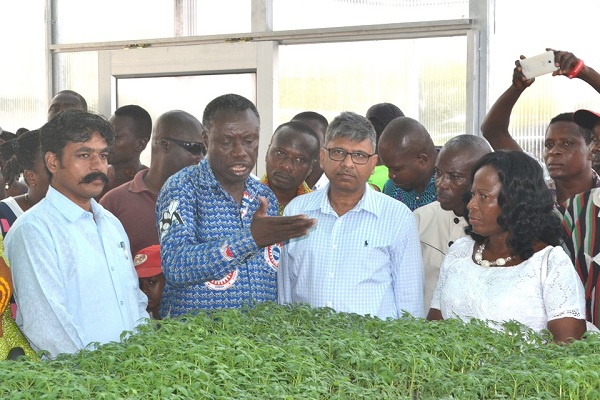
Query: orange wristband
[[576, 69]]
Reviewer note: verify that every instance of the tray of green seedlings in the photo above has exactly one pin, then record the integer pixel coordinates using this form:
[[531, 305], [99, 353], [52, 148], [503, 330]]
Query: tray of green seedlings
[[297, 352]]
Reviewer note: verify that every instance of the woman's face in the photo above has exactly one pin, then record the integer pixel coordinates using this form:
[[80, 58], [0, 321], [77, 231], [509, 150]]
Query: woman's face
[[483, 206]]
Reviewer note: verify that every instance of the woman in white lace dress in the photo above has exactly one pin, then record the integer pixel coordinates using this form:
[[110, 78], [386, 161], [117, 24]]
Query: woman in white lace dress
[[497, 273]]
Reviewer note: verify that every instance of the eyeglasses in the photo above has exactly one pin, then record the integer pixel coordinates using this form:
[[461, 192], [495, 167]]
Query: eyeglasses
[[358, 157], [195, 148]]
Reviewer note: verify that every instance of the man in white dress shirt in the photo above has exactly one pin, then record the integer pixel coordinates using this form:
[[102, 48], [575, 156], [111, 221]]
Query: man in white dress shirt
[[363, 255], [72, 269]]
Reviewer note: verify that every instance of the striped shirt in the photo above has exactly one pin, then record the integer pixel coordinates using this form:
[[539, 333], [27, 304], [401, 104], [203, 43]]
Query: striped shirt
[[367, 261], [581, 221]]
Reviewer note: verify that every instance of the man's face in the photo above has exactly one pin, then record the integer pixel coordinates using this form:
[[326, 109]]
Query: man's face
[[403, 167], [452, 179], [566, 154], [320, 129], [595, 147], [345, 175], [288, 160], [80, 174], [233, 146], [186, 146], [63, 101], [127, 145]]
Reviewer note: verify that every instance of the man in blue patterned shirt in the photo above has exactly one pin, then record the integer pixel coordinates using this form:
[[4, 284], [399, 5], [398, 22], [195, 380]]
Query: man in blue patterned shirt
[[364, 254], [219, 230], [406, 148]]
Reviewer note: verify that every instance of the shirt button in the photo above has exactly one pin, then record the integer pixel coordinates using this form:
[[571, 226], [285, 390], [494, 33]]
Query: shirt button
[[112, 268], [121, 303], [328, 304], [331, 274], [450, 243], [456, 220]]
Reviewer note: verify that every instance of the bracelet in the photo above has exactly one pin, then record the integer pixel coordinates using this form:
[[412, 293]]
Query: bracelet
[[576, 70]]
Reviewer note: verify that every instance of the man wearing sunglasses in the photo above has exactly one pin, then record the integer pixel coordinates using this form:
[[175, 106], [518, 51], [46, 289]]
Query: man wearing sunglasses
[[177, 142], [364, 254], [219, 230]]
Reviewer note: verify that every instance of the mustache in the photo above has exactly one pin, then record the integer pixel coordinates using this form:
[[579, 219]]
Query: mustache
[[93, 176]]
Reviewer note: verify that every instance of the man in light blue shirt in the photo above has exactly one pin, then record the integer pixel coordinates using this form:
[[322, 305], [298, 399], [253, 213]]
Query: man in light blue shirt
[[363, 256], [74, 279]]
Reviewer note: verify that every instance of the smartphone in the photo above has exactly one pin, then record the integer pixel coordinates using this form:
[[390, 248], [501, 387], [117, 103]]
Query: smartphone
[[538, 65]]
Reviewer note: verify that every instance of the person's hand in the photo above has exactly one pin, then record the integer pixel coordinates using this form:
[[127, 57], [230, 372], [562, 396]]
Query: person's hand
[[564, 60], [519, 81], [267, 230]]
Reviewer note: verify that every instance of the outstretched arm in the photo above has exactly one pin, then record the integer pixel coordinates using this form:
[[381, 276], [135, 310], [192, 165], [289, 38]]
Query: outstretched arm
[[495, 123]]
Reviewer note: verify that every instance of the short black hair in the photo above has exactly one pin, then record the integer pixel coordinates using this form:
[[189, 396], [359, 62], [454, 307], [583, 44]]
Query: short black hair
[[568, 117], [141, 117], [527, 205], [74, 93], [228, 103], [73, 126], [303, 128], [19, 154], [312, 115]]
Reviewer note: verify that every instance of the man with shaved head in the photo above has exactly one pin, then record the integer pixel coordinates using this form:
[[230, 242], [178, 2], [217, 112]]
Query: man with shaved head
[[380, 115], [442, 222], [408, 152], [66, 100], [177, 142]]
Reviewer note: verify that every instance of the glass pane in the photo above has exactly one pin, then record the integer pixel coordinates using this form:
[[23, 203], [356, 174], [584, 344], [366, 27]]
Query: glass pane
[[548, 96], [188, 93], [142, 19], [23, 66], [79, 72], [307, 14], [427, 81]]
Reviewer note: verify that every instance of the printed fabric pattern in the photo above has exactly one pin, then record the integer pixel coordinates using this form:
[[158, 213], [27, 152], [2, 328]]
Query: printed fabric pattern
[[209, 257], [412, 199]]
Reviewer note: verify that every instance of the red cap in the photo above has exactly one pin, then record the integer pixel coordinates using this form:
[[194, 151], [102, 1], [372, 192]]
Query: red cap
[[586, 118], [147, 262]]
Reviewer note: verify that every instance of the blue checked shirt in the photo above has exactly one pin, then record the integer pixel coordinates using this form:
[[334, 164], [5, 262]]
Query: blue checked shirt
[[368, 261], [209, 257]]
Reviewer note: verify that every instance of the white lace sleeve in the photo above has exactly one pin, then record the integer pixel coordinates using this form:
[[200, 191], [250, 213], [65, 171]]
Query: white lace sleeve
[[563, 291], [461, 249]]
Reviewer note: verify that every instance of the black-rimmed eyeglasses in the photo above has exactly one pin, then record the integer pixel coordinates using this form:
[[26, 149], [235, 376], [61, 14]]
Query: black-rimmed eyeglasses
[[195, 148], [358, 157]]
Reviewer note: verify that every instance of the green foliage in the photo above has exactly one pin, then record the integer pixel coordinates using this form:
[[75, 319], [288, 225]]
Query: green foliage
[[295, 352]]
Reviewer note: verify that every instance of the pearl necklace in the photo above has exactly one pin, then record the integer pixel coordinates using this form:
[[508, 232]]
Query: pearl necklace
[[485, 263]]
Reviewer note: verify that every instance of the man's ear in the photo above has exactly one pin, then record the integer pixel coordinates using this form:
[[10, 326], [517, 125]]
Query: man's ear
[[140, 145], [422, 159], [52, 162]]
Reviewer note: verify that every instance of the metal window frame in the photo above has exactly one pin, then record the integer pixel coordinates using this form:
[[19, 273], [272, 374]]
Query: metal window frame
[[258, 52]]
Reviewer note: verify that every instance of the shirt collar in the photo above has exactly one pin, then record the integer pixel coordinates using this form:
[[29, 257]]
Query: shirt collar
[[68, 208], [368, 201]]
